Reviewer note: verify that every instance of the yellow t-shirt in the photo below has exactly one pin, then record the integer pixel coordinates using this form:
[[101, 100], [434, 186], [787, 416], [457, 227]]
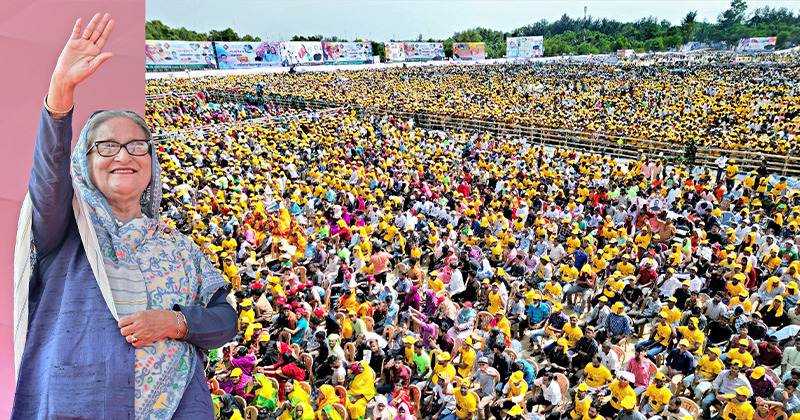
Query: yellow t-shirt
[[465, 404], [495, 303], [745, 357], [446, 371], [673, 315], [597, 376], [467, 357], [663, 333], [733, 290], [618, 394], [743, 411], [573, 334], [568, 274], [552, 291], [626, 269], [694, 337], [581, 407], [573, 244], [658, 396], [709, 369]]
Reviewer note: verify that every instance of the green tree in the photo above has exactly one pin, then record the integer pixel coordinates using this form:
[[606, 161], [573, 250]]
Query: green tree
[[621, 44], [379, 50], [734, 15], [673, 41], [782, 39]]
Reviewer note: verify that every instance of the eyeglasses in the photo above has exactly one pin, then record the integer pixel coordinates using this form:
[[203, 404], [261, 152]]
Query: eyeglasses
[[110, 148]]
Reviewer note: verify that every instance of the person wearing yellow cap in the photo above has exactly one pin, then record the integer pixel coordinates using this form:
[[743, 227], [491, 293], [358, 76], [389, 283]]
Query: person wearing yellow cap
[[679, 362], [656, 397], [727, 382], [513, 394], [706, 371], [740, 352], [660, 337], [443, 368], [737, 406], [466, 403], [694, 336], [581, 404], [465, 359]]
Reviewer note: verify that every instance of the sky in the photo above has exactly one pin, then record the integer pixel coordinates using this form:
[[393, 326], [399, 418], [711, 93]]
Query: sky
[[403, 20]]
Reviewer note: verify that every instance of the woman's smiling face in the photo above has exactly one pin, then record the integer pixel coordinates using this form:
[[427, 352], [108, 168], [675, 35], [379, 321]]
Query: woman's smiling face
[[121, 178]]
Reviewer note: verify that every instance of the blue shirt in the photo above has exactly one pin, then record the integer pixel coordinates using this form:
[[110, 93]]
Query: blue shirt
[[618, 325], [529, 374], [302, 324], [683, 362], [537, 314], [581, 258]]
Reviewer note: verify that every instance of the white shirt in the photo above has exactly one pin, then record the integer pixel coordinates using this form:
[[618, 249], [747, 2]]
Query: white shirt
[[551, 393], [456, 283], [610, 360]]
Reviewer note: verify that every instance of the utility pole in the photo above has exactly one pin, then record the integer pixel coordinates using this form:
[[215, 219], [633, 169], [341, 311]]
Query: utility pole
[[583, 25]]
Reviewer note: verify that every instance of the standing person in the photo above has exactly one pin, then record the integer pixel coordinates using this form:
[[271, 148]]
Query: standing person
[[113, 307], [379, 261]]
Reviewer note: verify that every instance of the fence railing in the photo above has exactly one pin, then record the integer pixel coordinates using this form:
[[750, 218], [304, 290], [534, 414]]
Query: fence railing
[[593, 142]]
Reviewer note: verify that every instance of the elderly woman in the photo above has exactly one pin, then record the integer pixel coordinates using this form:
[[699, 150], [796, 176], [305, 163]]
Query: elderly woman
[[112, 306]]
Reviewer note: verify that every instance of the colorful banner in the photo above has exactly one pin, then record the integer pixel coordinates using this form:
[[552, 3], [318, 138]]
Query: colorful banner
[[301, 53], [525, 47], [239, 55], [469, 51], [756, 44], [424, 51], [347, 52], [395, 52], [163, 55]]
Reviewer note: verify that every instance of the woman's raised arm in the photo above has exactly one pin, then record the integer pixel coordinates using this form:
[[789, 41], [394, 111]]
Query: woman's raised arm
[[50, 185]]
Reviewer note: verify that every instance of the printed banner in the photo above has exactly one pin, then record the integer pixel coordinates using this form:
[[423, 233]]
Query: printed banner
[[239, 55], [301, 53], [469, 51], [347, 52], [395, 52], [423, 51], [756, 44], [525, 47], [163, 55]]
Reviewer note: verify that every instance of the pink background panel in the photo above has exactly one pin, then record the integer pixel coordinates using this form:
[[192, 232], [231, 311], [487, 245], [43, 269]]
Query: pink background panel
[[32, 34]]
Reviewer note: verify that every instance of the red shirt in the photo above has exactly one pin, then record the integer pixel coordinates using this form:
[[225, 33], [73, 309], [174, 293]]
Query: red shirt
[[647, 276]]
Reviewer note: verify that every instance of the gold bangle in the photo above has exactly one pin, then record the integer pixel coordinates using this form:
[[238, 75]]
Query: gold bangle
[[53, 111]]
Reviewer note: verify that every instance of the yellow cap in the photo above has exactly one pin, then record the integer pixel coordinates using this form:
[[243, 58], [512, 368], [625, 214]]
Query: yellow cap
[[516, 376], [684, 343], [444, 356], [628, 402], [516, 410], [758, 373], [742, 390], [247, 302], [715, 351], [583, 387], [236, 372], [660, 376]]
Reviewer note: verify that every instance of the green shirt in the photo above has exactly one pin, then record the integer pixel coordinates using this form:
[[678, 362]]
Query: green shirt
[[422, 361]]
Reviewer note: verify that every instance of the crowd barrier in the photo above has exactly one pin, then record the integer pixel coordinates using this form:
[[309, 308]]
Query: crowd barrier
[[628, 148]]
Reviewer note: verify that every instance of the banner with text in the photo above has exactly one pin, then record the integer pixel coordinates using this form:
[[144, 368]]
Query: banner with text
[[301, 53], [424, 51], [756, 44], [162, 55], [525, 47], [239, 55], [395, 52], [469, 51], [347, 52]]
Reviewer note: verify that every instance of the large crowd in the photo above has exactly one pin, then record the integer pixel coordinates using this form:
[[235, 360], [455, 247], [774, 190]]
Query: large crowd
[[752, 107], [385, 272]]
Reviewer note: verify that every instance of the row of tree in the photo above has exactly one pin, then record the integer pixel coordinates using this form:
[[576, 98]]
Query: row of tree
[[581, 36]]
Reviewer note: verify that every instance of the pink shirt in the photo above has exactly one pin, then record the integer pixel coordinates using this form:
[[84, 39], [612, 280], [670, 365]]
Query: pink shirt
[[641, 371], [379, 261]]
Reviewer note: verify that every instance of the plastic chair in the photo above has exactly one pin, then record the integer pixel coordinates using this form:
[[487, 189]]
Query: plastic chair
[[620, 354], [251, 413], [341, 392], [350, 353], [387, 332], [369, 322], [301, 273], [484, 320], [415, 397], [305, 387], [241, 402], [308, 364], [563, 382], [341, 410], [512, 354], [285, 337], [690, 406]]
